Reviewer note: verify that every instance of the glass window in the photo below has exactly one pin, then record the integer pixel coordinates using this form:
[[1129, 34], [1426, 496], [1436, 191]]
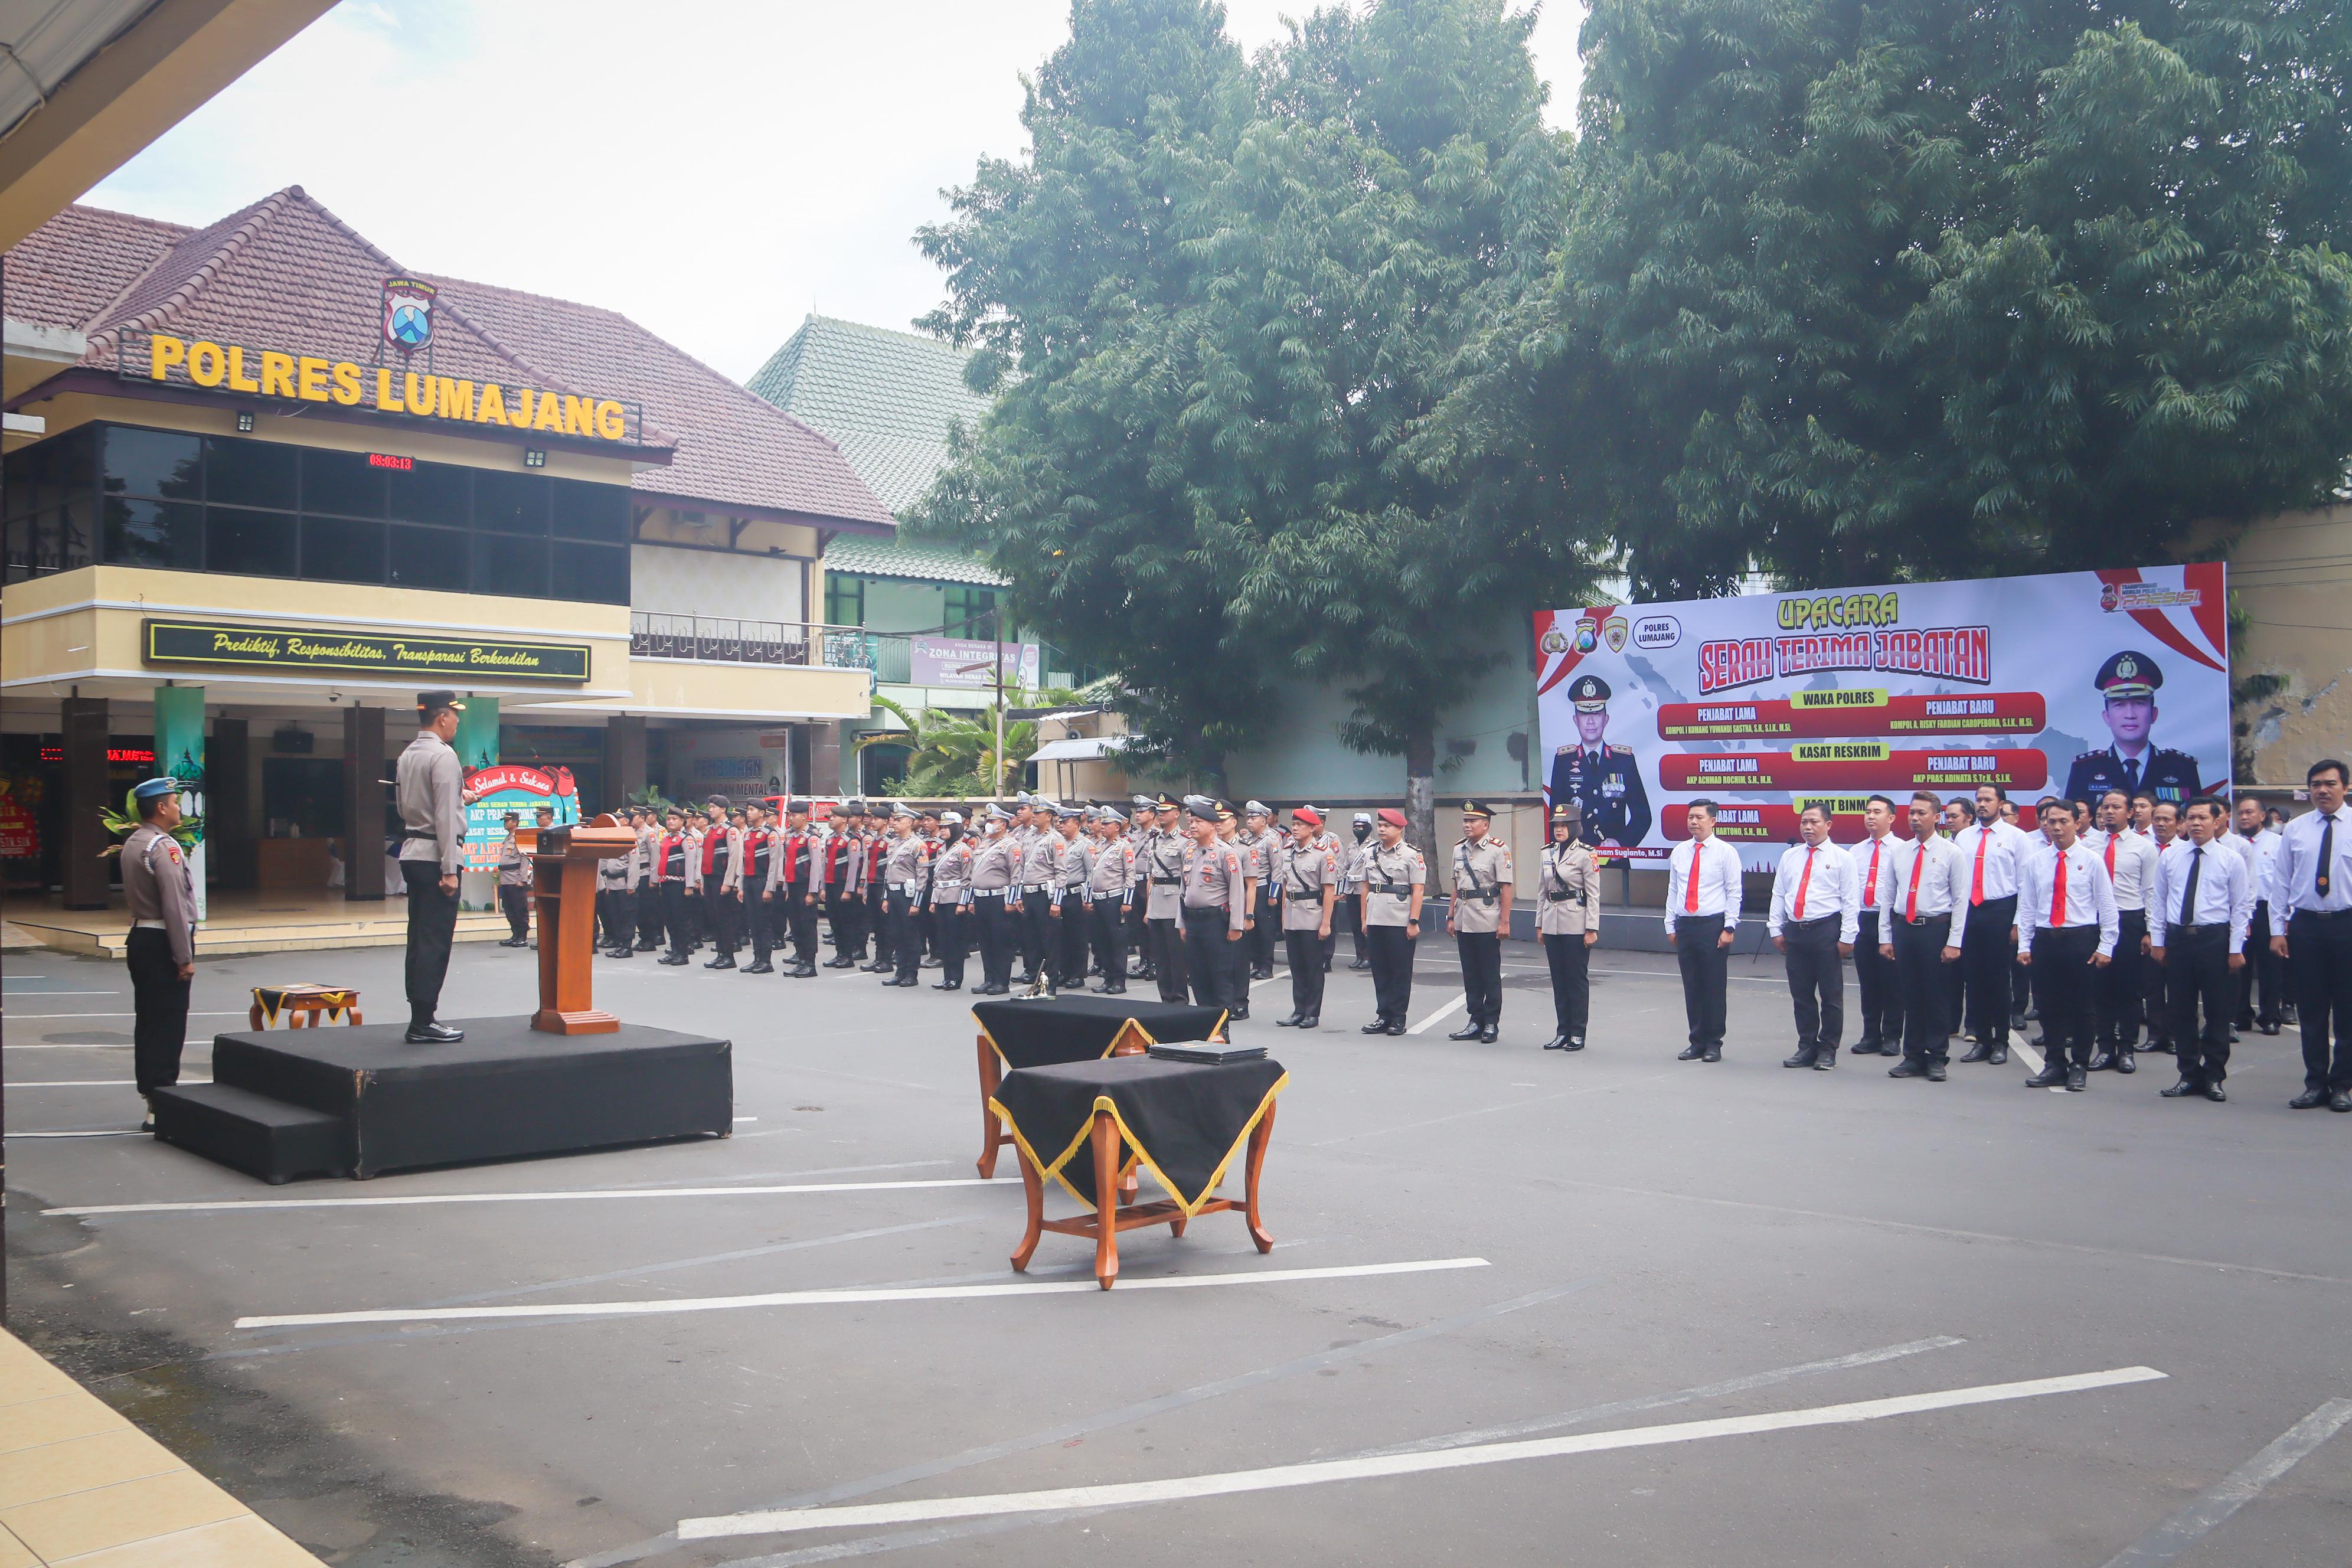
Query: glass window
[[845, 601], [41, 543], [504, 564], [249, 473], [431, 492], [428, 558], [161, 463], [24, 471], [585, 510], [342, 550], [155, 533], [596, 573], [510, 504], [76, 526], [256, 543], [969, 612], [16, 550], [342, 484]]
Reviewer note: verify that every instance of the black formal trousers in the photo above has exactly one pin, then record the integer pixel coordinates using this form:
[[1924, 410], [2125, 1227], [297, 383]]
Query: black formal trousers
[[515, 904], [2062, 972], [1215, 959], [2319, 953], [800, 918], [1304, 950], [759, 925], [1139, 934], [1482, 974], [1262, 936], [1952, 992], [2021, 990], [1391, 952], [1071, 929], [2115, 990], [1039, 937], [1925, 981], [2154, 1007], [953, 922], [1168, 961], [2197, 972], [1348, 915], [674, 919], [1881, 988], [432, 926], [724, 911], [650, 915], [1571, 983], [841, 913], [1988, 962], [623, 924], [2258, 982], [1110, 919], [998, 939], [905, 942], [1816, 982], [1705, 965], [159, 1008]]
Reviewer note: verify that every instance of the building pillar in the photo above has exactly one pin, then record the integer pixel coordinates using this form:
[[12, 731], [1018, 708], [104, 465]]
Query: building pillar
[[363, 797], [625, 761], [228, 816], [84, 873], [826, 750]]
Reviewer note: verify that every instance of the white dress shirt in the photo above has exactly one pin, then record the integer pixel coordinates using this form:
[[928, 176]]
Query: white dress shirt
[[2264, 848], [2294, 872], [1832, 890], [1935, 866], [2225, 893], [1870, 858], [1718, 882], [2130, 861], [2005, 849], [2090, 897]]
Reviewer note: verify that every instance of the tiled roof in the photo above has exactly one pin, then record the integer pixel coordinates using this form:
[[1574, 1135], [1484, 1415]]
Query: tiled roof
[[902, 557], [886, 399], [69, 270]]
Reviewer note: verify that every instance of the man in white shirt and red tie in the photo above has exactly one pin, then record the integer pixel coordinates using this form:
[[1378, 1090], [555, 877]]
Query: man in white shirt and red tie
[[1813, 923], [2130, 859], [2311, 888], [1994, 853], [2198, 910], [1702, 917], [2066, 930], [1918, 889], [1874, 973], [2259, 987]]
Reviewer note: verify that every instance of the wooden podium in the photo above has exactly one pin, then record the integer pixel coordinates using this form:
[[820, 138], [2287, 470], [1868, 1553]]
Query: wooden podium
[[563, 887]]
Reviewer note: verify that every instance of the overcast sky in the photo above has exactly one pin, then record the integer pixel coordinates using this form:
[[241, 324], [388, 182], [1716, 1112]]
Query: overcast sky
[[716, 169]]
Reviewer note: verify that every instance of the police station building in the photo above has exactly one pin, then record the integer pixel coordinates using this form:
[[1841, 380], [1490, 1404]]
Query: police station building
[[262, 484]]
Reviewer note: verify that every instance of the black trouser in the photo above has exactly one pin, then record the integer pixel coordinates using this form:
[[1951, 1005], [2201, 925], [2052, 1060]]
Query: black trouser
[[1922, 975], [1571, 983], [725, 912], [1111, 923], [2020, 988], [2154, 1008], [953, 923], [906, 947], [1213, 960], [2258, 982], [1072, 926], [674, 917], [432, 925], [800, 917], [1706, 964], [1882, 989], [1816, 982], [999, 938], [1482, 974], [1953, 993], [1989, 960], [1167, 950], [1304, 949], [2196, 970], [841, 912], [1138, 928], [514, 902], [1391, 951], [159, 1003], [1261, 938], [2319, 953], [2117, 988], [1348, 915], [760, 922], [2062, 969], [1037, 935], [621, 922], [650, 915]]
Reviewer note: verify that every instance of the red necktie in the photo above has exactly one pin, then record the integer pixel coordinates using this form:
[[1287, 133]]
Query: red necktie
[[2058, 894], [1698, 857], [1919, 859], [1802, 883], [1976, 888], [2111, 857], [1876, 845]]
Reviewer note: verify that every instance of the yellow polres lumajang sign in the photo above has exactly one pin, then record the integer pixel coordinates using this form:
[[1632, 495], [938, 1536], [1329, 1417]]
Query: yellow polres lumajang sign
[[306, 378]]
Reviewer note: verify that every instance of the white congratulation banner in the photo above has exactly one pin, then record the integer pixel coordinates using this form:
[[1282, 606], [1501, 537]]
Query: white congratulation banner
[[2067, 684]]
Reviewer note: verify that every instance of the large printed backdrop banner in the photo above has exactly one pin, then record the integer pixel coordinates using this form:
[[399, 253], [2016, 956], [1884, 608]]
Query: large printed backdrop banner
[[2067, 684]]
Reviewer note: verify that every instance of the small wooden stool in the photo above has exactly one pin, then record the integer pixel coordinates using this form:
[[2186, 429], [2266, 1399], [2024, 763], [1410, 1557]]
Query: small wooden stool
[[303, 1004]]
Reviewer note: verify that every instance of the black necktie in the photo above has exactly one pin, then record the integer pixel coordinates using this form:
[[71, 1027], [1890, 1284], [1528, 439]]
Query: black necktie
[[2189, 888], [2131, 774], [2327, 857]]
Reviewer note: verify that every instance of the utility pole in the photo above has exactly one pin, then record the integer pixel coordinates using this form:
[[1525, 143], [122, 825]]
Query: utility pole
[[996, 762]]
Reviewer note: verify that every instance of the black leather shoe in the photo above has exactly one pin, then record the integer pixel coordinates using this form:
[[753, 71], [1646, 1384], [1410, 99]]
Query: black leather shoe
[[1575, 1043], [434, 1035], [1935, 1073], [802, 971], [2050, 1077], [945, 986], [1556, 1043], [1467, 1032], [2269, 1028], [894, 982], [1114, 990], [841, 964], [2309, 1100], [2233, 1037], [1863, 1048], [1691, 1052], [1978, 1054], [1377, 1026], [1487, 1036], [2216, 1093], [1289, 1023], [2100, 1062], [763, 967], [2181, 1090], [1826, 1061], [2000, 1057], [1360, 965], [1397, 1028], [2126, 1062], [673, 958], [2339, 1103], [1713, 1054], [1312, 1021], [1802, 1059], [1239, 1015], [1907, 1069], [2076, 1080], [724, 961]]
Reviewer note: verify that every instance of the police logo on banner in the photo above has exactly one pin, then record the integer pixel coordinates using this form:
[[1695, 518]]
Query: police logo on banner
[[407, 314]]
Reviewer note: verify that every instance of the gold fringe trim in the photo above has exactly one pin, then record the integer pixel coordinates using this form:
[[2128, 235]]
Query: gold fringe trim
[[1141, 1156]]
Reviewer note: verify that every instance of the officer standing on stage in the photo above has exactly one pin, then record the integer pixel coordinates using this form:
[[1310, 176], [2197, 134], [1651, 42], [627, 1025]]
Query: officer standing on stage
[[430, 788], [161, 950], [1479, 914], [1605, 781], [2127, 684], [1395, 882], [514, 883], [1568, 922]]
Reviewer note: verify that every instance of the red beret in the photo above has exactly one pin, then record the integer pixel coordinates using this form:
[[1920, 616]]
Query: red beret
[[1391, 816], [1308, 813]]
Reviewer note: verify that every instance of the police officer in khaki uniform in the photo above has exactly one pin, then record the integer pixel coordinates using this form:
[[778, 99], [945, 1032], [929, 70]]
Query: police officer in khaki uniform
[[1111, 883], [514, 883], [1306, 885], [1261, 844], [902, 886], [1395, 878], [1163, 892], [1478, 915], [161, 950], [1568, 922], [617, 898], [995, 866], [1216, 904], [430, 788]]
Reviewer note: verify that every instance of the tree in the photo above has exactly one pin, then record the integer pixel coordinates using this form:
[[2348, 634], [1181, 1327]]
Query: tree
[[1931, 288]]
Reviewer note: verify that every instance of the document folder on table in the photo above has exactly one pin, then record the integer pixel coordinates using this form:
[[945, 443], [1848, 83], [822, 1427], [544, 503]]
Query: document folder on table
[[1204, 1052]]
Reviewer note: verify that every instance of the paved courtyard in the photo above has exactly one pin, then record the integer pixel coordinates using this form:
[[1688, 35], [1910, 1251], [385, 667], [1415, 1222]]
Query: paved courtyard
[[1525, 1306]]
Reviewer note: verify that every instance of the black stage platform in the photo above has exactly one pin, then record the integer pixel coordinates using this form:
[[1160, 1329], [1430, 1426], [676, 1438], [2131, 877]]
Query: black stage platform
[[336, 1101]]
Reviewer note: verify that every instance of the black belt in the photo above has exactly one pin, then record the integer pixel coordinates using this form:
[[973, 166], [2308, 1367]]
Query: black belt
[[1484, 896], [2198, 929], [2322, 914], [1394, 889], [1811, 921], [1923, 920], [1167, 881]]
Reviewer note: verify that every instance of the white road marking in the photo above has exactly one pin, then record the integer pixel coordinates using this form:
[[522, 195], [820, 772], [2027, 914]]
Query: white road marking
[[1424, 1027], [61, 993], [1230, 1482], [93, 1083], [2029, 1055], [87, 1132], [235, 1205], [2184, 1530], [30, 1017], [851, 1297], [742, 1119]]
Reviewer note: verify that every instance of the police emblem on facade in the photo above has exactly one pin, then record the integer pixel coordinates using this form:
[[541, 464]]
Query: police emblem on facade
[[407, 314], [1555, 641]]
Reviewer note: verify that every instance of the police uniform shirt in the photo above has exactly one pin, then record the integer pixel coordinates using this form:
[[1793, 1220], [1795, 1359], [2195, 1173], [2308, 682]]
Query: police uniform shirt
[[719, 864], [2005, 848], [1390, 878], [1605, 781], [2262, 850], [2225, 893], [1216, 878], [2130, 861], [158, 889], [1480, 872], [1832, 888], [514, 866], [1717, 877], [951, 874], [902, 867], [1299, 880], [2294, 872], [1073, 870], [994, 864], [1113, 873], [2090, 897], [1351, 866], [1918, 879], [2162, 773], [429, 786], [1040, 858], [1567, 890], [1164, 876], [1262, 846], [673, 853]]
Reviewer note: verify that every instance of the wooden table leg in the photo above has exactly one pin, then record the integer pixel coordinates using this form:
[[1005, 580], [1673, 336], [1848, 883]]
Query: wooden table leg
[[1106, 1151], [992, 1079], [253, 1017], [1033, 1187], [1260, 1136], [354, 1013]]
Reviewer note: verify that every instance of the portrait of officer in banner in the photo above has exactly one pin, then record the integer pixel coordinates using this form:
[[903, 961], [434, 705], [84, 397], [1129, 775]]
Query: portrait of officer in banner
[[1605, 781], [2128, 684]]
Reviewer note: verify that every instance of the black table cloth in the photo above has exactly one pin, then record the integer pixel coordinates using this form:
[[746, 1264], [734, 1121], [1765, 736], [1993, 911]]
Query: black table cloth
[[1185, 1122], [1083, 1029]]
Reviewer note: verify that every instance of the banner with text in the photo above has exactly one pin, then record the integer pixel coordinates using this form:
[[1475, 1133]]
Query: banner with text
[[960, 661], [2069, 684]]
